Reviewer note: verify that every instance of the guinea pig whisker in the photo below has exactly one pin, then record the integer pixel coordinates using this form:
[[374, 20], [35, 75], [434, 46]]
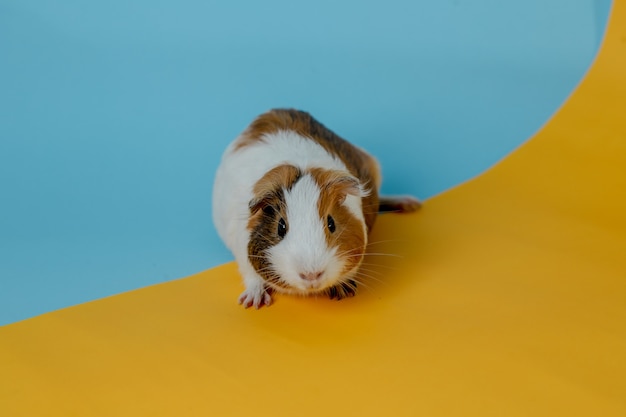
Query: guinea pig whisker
[[267, 270], [370, 270], [349, 253], [378, 242], [344, 255], [259, 234], [351, 283], [388, 267], [362, 274], [382, 254], [338, 236], [357, 283], [348, 283], [376, 283]]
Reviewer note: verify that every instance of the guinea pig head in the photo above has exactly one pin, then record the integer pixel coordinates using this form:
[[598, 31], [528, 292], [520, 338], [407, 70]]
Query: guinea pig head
[[307, 231]]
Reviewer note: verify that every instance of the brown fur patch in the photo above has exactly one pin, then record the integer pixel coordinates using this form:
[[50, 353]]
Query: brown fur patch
[[269, 189], [359, 163]]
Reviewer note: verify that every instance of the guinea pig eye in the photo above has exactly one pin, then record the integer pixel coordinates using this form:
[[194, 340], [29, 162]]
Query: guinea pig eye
[[331, 223], [282, 228]]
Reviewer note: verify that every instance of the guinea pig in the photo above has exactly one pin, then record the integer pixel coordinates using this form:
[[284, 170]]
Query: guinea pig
[[295, 203]]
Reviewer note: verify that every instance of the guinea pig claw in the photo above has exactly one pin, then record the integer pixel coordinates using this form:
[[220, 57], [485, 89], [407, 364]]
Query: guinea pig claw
[[266, 300], [256, 298]]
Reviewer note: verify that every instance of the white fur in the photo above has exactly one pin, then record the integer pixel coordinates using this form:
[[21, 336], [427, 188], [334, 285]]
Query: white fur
[[304, 247]]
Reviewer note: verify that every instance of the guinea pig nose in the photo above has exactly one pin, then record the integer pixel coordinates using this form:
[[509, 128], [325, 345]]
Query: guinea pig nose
[[311, 276]]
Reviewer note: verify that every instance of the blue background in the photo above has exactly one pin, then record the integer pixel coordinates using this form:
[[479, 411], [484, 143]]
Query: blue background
[[113, 115]]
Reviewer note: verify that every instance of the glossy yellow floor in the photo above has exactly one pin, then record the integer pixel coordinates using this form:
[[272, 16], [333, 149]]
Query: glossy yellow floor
[[510, 300]]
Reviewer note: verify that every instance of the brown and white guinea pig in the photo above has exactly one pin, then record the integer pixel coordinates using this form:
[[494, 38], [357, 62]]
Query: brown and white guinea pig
[[294, 202]]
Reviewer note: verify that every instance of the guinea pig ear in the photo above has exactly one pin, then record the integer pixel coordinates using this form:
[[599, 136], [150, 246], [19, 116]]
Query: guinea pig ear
[[269, 188], [348, 185], [338, 184]]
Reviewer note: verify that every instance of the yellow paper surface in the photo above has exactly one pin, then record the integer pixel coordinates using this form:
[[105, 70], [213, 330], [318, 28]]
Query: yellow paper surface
[[509, 299]]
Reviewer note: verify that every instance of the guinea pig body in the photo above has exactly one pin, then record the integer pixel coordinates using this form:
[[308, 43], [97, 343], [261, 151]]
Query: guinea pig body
[[295, 204]]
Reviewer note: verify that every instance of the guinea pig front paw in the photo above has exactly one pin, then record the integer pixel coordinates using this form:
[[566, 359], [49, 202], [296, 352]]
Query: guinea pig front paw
[[256, 297], [343, 290]]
